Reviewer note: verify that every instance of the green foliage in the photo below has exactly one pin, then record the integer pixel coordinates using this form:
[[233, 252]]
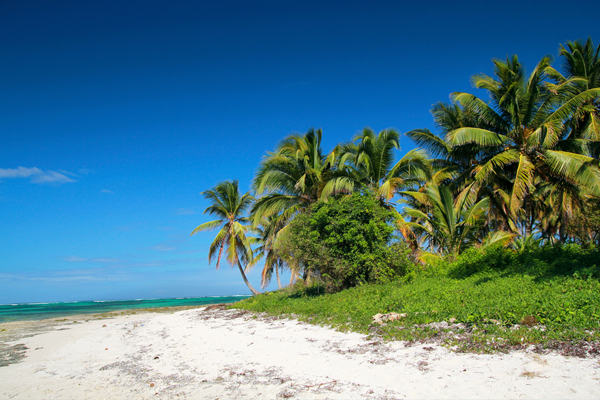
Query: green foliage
[[532, 149], [369, 160], [585, 226], [296, 175], [446, 225], [540, 262], [346, 241], [563, 309], [229, 205], [547, 299]]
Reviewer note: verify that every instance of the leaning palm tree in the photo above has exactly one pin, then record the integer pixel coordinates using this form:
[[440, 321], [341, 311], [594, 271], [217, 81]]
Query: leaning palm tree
[[229, 206], [267, 236]]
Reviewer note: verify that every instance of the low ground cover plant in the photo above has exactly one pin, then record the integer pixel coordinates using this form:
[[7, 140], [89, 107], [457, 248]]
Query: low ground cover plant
[[487, 300]]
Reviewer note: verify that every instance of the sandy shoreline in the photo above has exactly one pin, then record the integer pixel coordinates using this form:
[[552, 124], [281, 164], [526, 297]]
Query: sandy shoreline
[[216, 353]]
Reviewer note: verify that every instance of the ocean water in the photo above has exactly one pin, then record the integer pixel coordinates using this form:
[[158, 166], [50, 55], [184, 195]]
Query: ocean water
[[37, 311]]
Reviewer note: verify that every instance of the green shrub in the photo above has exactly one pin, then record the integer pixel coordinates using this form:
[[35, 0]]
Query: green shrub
[[475, 260], [347, 241], [543, 262]]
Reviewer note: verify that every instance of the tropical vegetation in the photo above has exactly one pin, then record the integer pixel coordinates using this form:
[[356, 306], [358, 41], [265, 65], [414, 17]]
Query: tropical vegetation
[[487, 300], [345, 242], [229, 206], [495, 217], [524, 163]]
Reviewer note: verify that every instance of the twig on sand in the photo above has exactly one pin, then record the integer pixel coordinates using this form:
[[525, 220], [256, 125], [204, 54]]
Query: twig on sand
[[332, 383]]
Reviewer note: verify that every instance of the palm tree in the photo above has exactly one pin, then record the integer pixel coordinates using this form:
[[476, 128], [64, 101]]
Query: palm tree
[[296, 175], [529, 134], [443, 226], [581, 66], [369, 161], [229, 206], [453, 165], [508, 148], [267, 236]]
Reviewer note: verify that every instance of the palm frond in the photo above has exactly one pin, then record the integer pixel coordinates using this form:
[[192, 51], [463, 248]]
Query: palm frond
[[207, 226], [481, 137]]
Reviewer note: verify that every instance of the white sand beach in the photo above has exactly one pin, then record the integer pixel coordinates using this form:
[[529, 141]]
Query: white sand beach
[[222, 354]]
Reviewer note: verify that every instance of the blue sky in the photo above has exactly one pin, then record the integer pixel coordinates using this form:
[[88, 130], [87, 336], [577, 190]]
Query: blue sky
[[114, 115]]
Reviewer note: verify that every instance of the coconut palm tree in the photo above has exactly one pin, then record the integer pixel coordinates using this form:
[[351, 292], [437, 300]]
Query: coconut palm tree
[[529, 133], [581, 67], [507, 148], [296, 175], [267, 236], [452, 165], [369, 160], [445, 225], [229, 206]]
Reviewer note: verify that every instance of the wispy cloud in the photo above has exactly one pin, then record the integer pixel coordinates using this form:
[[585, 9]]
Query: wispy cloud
[[69, 278], [164, 263], [163, 247], [103, 260], [106, 191], [35, 175], [74, 259]]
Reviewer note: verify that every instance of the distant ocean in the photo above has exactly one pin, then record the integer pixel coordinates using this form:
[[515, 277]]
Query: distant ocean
[[37, 311]]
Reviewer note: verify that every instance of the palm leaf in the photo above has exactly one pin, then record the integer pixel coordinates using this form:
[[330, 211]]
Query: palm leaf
[[435, 145], [481, 137], [207, 226], [522, 183]]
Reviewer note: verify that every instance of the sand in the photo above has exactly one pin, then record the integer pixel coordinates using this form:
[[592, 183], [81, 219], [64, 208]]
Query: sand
[[222, 354]]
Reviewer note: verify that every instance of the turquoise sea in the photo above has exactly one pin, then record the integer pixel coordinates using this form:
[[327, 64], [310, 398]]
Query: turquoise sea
[[37, 311]]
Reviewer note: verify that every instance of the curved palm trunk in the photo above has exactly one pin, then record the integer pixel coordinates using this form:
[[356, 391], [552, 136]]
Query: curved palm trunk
[[254, 291]]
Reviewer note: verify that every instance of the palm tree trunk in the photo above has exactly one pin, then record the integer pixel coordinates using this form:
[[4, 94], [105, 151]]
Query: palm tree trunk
[[254, 291], [562, 234], [277, 273]]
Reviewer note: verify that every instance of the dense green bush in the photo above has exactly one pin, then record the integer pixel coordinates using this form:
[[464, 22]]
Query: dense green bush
[[543, 262], [346, 241]]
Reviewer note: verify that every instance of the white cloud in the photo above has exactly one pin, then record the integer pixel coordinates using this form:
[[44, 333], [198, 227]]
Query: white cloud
[[184, 211], [105, 260], [74, 259], [72, 278], [35, 175], [62, 171], [106, 191], [148, 264], [96, 260], [68, 278], [162, 247]]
